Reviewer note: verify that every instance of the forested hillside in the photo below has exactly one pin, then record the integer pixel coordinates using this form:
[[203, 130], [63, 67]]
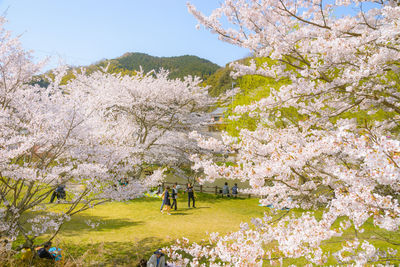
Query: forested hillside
[[178, 67], [220, 81], [129, 63]]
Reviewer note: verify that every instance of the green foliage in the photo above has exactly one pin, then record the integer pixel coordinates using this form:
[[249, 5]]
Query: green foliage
[[178, 67], [130, 64], [220, 82]]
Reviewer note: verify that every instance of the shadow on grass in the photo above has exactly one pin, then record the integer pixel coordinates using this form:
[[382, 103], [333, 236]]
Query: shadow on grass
[[99, 254], [113, 253], [145, 199], [80, 224], [212, 198], [185, 211], [198, 208], [178, 213]]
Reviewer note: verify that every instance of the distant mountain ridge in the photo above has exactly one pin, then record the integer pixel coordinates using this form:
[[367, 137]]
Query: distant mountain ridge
[[129, 63], [179, 66]]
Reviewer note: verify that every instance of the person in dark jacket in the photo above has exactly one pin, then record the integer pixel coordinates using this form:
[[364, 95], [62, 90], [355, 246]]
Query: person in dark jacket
[[159, 189], [167, 201], [174, 196], [225, 190], [190, 191], [235, 190], [59, 193], [44, 252], [142, 263]]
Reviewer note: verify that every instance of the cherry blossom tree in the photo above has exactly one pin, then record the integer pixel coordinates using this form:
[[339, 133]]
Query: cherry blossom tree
[[339, 151], [45, 140], [146, 118], [87, 134]]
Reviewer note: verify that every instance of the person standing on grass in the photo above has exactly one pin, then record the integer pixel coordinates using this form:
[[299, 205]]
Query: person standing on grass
[[225, 190], [159, 189], [190, 191], [162, 198], [174, 196], [235, 190], [167, 201]]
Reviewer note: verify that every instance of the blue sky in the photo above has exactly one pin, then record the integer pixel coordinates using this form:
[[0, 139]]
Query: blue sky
[[80, 32]]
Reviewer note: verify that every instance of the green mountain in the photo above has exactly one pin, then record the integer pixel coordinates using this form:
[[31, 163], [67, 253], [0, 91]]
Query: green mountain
[[129, 63], [178, 67]]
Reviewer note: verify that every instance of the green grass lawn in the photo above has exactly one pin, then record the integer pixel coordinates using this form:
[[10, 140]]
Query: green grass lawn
[[130, 231], [133, 230]]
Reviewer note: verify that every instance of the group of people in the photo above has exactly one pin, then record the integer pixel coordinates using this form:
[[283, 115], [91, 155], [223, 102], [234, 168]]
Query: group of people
[[44, 252], [168, 196], [169, 201], [157, 259], [225, 190], [48, 252]]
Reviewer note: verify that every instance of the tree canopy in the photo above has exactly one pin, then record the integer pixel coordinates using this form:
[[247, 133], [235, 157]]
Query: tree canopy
[[330, 151]]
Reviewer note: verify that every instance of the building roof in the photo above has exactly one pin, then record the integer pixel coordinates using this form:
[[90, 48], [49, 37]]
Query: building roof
[[218, 111]]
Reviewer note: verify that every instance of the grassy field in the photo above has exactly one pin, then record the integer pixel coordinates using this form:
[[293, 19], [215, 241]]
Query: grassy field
[[130, 231]]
